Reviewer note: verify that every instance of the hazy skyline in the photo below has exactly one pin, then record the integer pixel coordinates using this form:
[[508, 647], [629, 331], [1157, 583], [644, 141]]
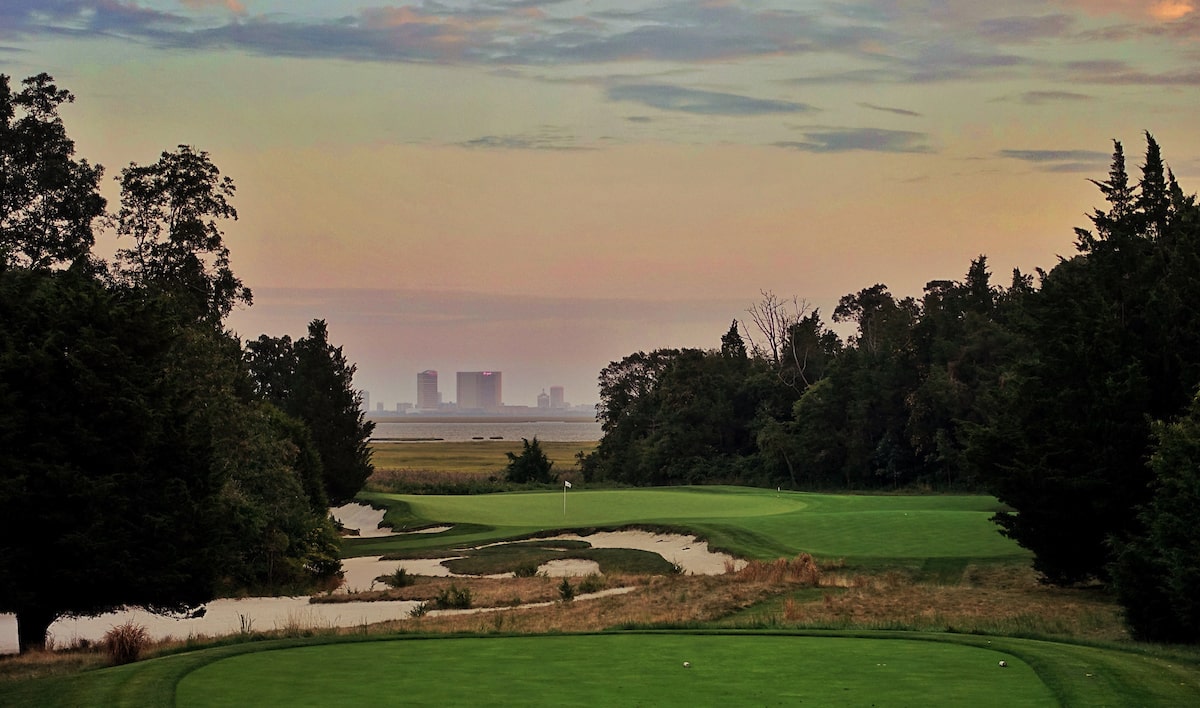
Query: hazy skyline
[[543, 187]]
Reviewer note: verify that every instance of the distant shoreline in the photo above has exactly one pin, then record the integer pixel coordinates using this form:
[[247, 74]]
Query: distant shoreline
[[522, 418]]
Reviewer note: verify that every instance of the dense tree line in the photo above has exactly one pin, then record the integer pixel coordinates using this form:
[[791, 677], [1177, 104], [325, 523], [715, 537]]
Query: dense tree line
[[147, 458], [1068, 395]]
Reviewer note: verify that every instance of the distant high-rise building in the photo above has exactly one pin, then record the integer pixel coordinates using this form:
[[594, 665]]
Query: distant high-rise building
[[543, 400], [365, 400], [479, 391], [379, 406], [428, 398], [556, 397]]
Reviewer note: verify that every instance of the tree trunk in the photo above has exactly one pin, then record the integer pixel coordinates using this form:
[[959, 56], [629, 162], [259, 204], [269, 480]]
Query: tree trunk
[[31, 627]]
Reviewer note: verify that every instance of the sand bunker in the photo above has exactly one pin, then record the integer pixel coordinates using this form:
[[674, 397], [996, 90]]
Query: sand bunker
[[229, 616], [685, 551], [267, 613], [366, 520]]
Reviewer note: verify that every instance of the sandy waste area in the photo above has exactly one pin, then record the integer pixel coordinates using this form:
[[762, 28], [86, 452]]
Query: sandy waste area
[[230, 616]]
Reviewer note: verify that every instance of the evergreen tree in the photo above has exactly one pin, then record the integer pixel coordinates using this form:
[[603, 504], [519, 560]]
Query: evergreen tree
[[1156, 571], [312, 380], [532, 465]]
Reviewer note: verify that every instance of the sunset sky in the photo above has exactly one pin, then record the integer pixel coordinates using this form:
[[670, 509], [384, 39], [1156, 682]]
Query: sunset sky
[[543, 187]]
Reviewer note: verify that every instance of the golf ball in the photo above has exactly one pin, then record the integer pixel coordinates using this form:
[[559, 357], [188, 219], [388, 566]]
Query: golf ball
[[687, 664], [1003, 663]]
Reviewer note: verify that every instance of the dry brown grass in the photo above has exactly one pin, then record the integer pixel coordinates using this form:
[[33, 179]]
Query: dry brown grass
[[800, 570], [785, 593], [1004, 600], [403, 478]]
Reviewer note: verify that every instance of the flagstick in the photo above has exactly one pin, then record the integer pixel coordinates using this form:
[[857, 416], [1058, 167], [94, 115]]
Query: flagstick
[[564, 499]]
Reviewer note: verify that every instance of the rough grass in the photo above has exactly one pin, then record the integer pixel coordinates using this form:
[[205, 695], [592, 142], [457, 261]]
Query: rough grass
[[478, 457]]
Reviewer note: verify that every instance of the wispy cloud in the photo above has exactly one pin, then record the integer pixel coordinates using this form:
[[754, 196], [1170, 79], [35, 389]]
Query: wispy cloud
[[1037, 98], [1060, 160], [677, 98], [865, 139], [1017, 30], [895, 111], [548, 138]]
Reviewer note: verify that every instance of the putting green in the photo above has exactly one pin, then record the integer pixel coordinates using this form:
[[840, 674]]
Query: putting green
[[754, 523], [638, 669]]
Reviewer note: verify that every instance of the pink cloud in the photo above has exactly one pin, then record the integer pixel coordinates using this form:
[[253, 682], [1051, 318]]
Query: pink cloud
[[1162, 10], [233, 6]]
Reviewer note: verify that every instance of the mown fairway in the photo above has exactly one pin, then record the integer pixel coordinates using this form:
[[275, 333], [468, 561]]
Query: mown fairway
[[755, 523], [635, 668], [594, 670]]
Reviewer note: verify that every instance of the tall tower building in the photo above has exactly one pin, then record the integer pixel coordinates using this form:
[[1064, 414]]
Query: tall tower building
[[479, 391], [428, 398], [556, 397], [543, 400]]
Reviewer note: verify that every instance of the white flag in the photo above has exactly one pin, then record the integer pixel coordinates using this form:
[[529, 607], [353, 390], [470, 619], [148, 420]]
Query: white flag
[[567, 483]]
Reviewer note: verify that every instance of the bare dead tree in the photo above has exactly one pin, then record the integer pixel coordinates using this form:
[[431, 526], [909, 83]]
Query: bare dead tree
[[777, 322]]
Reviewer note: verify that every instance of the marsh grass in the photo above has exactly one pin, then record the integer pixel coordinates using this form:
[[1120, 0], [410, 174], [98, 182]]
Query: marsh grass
[[474, 457]]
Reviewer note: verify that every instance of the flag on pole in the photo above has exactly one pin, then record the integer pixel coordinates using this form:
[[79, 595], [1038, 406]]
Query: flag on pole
[[567, 483]]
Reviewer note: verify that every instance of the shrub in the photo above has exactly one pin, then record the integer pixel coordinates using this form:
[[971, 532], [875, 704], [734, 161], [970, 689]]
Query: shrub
[[124, 643], [565, 591], [454, 598], [592, 582], [532, 465], [397, 579], [419, 610], [526, 570]]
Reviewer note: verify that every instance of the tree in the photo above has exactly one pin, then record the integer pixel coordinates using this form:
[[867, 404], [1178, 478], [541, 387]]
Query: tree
[[49, 201], [532, 465], [313, 381], [127, 441], [171, 210], [1156, 569], [1106, 345]]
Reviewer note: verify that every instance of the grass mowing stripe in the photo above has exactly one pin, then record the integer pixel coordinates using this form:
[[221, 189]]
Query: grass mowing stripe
[[621, 669]]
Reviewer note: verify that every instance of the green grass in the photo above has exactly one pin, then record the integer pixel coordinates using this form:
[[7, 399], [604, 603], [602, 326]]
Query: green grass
[[935, 536], [630, 668], [506, 557], [593, 670], [754, 523]]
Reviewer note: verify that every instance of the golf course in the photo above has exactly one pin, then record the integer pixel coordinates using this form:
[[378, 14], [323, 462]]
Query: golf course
[[757, 649]]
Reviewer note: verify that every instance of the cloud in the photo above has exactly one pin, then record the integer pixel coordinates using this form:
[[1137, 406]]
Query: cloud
[[1016, 30], [1061, 160], [1159, 10], [1119, 73], [896, 111], [1037, 98], [864, 139], [685, 100], [233, 6], [548, 138]]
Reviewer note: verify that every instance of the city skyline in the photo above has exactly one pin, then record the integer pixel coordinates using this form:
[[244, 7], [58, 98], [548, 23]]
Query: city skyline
[[545, 187], [467, 395]]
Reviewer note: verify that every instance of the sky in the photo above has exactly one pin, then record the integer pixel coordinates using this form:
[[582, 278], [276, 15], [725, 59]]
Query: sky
[[542, 187]]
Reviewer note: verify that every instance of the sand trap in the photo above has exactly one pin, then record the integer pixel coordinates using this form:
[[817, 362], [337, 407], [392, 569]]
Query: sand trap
[[360, 573], [568, 567], [267, 613], [8, 634], [226, 617], [366, 520], [685, 551]]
